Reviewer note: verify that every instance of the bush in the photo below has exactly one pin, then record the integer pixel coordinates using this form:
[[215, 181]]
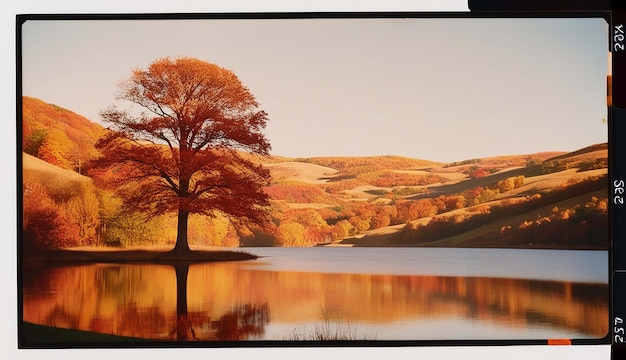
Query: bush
[[478, 173], [553, 166], [45, 224], [408, 190]]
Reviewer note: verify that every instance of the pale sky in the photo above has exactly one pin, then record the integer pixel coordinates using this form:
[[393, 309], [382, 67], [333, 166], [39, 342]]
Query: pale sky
[[436, 89]]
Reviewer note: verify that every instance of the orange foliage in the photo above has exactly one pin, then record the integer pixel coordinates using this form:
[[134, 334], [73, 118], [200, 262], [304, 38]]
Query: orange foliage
[[478, 173], [390, 178], [291, 234], [185, 157], [334, 187], [45, 225], [212, 231], [342, 229], [57, 135], [84, 210], [145, 299], [359, 225], [451, 202], [380, 220], [297, 192], [413, 210]]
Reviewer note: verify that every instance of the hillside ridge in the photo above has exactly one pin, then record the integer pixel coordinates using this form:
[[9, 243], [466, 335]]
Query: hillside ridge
[[318, 200]]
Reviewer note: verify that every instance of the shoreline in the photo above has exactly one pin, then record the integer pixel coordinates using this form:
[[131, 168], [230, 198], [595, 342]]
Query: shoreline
[[132, 256], [466, 246], [36, 335], [118, 256]]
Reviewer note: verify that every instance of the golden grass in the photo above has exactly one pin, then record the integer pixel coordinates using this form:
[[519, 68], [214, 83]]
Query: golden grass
[[539, 183], [32, 165], [300, 171]]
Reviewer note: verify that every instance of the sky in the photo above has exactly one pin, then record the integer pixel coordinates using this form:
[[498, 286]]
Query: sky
[[435, 89]]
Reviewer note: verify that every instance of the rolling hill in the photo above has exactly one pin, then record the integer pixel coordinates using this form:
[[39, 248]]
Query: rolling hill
[[300, 171], [34, 169], [364, 201]]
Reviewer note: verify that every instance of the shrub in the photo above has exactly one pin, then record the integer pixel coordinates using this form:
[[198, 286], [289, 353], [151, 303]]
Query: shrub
[[553, 166]]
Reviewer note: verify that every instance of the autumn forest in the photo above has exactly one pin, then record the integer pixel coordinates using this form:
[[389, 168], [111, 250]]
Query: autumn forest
[[543, 200]]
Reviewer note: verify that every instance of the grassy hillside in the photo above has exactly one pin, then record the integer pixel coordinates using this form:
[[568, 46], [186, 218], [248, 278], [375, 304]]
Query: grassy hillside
[[388, 201], [352, 166], [60, 207], [554, 209], [301, 171], [59, 183], [44, 172]]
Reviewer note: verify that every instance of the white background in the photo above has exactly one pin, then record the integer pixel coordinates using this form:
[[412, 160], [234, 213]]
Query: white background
[[8, 275]]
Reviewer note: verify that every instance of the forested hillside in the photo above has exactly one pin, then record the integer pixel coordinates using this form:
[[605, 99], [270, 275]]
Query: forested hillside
[[545, 199], [57, 135]]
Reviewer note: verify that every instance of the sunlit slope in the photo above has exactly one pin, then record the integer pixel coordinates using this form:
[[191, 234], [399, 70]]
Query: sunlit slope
[[592, 152], [300, 171], [39, 171], [356, 165], [489, 234], [569, 183], [366, 178]]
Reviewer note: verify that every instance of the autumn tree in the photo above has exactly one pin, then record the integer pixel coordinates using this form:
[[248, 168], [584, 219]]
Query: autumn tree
[[45, 224], [176, 149], [33, 141], [291, 234], [342, 229], [84, 210]]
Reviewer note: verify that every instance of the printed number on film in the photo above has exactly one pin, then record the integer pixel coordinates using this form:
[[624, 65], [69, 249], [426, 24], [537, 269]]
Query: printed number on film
[[618, 37], [618, 192], [619, 330]]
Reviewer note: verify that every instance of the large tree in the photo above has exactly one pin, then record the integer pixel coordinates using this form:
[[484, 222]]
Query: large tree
[[179, 146]]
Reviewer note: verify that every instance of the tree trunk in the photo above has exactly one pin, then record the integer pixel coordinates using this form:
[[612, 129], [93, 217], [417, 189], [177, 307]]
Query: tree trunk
[[182, 245], [183, 325]]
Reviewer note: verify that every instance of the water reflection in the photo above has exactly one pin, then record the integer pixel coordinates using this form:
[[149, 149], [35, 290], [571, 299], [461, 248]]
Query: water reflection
[[231, 302], [241, 322]]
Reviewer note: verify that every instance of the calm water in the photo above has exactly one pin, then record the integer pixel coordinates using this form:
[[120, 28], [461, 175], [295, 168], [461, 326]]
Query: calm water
[[360, 293]]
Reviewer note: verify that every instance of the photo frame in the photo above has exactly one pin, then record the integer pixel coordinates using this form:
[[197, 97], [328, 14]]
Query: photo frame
[[286, 172]]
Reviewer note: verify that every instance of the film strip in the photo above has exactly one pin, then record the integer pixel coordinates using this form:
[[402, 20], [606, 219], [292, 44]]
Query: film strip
[[616, 102], [617, 106]]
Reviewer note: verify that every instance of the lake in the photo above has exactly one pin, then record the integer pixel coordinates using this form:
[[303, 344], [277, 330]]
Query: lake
[[326, 292]]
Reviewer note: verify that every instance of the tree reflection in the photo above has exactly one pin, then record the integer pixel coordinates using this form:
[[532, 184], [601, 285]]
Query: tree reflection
[[224, 302], [184, 330], [242, 322]]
